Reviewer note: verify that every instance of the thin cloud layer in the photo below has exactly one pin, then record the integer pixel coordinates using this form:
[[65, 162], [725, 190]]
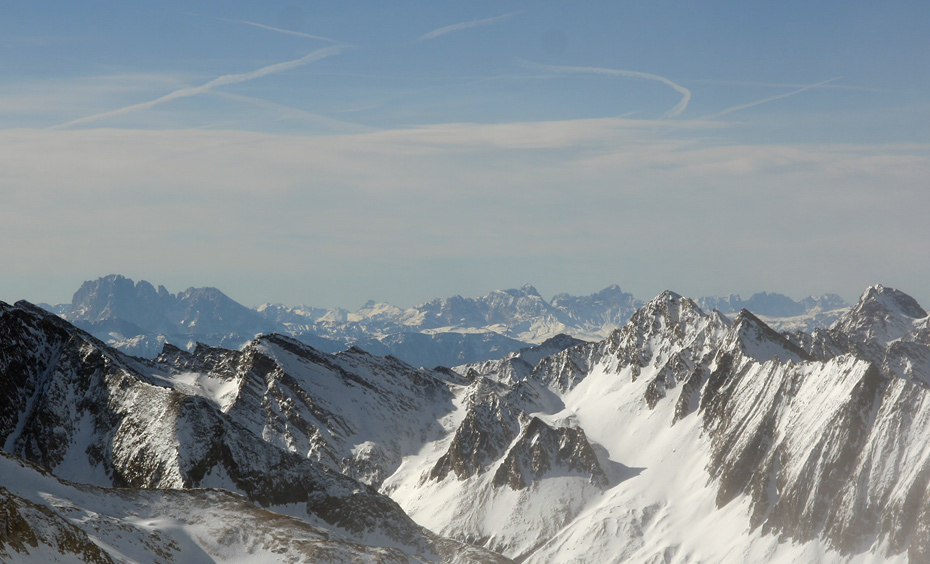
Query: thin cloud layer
[[589, 194]]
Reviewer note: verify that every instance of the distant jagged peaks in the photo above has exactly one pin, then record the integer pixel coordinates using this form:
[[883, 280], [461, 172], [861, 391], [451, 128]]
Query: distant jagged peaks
[[138, 318], [773, 305], [116, 296], [115, 307]]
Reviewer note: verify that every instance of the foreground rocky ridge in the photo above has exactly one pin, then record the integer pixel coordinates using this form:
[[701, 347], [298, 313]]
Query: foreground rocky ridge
[[215, 418]]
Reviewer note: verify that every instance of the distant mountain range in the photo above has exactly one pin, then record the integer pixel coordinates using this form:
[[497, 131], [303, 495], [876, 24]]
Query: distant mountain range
[[684, 436], [138, 318]]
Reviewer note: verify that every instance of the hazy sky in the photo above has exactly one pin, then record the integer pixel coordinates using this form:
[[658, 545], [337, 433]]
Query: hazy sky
[[330, 152]]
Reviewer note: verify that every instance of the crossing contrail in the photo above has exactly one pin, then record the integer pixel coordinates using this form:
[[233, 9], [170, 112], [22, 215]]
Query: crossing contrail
[[221, 81], [769, 99]]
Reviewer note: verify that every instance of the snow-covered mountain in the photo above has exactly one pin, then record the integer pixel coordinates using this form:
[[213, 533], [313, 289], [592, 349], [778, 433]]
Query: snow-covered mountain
[[139, 319], [49, 520], [684, 436], [521, 314], [781, 312], [271, 423], [716, 440]]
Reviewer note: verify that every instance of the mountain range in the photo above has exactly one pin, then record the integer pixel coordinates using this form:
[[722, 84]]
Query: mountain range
[[138, 318], [684, 436]]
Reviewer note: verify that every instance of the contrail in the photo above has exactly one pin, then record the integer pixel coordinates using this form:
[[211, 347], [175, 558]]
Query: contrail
[[221, 81], [326, 120], [783, 85], [764, 100], [268, 27], [465, 25], [679, 107], [279, 30]]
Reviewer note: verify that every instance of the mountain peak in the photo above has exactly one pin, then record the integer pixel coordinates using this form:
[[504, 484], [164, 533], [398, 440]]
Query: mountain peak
[[883, 315], [892, 300], [667, 296], [529, 290]]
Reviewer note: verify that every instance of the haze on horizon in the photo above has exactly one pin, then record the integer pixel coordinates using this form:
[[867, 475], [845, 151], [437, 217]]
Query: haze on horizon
[[324, 154]]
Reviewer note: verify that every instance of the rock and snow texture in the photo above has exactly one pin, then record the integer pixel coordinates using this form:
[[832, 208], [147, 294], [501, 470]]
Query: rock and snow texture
[[47, 520], [271, 423], [684, 436], [717, 440]]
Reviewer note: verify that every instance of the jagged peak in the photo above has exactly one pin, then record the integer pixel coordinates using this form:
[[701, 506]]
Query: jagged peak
[[756, 339], [524, 291], [674, 304], [558, 341], [892, 300], [744, 317], [667, 296], [206, 291], [529, 290], [169, 349]]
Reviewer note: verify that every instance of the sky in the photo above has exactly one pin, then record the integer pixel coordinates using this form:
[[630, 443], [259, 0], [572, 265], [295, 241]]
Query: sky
[[328, 153]]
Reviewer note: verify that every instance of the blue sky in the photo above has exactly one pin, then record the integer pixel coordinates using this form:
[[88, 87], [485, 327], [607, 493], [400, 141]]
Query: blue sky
[[327, 153]]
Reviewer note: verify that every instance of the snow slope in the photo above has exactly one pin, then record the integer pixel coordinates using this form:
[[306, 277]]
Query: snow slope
[[721, 442]]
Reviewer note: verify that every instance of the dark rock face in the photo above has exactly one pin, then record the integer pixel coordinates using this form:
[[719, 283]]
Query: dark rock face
[[489, 427], [541, 451], [526, 450]]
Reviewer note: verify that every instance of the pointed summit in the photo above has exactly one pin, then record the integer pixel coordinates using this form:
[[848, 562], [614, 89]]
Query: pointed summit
[[892, 300], [883, 315], [529, 290], [756, 339]]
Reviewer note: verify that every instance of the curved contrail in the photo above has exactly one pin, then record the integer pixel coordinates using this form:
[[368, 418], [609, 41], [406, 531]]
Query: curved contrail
[[769, 99], [676, 110], [465, 25], [221, 81]]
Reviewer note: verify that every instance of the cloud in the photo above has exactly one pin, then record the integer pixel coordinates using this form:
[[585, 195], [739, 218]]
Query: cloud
[[221, 81], [390, 209], [465, 25], [676, 110], [769, 99]]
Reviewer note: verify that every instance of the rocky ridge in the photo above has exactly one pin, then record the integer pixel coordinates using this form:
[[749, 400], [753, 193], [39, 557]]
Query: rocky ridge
[[215, 418]]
